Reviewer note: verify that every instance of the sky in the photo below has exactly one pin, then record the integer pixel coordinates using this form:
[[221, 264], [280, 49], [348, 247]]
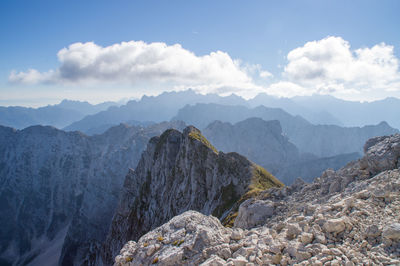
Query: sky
[[98, 50]]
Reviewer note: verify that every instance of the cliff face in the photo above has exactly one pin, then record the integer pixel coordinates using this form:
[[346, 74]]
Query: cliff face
[[59, 190], [345, 217], [180, 172], [261, 141]]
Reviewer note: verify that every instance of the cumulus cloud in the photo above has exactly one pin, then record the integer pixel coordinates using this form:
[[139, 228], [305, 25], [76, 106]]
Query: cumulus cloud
[[140, 62], [326, 66], [329, 66]]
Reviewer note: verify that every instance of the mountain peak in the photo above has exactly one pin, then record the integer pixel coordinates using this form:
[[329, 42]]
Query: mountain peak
[[179, 172]]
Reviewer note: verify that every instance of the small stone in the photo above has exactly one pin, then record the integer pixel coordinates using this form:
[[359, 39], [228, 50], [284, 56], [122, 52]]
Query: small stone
[[306, 238], [237, 234], [302, 255], [372, 231], [293, 230], [392, 232], [276, 259], [238, 261], [214, 261], [150, 250], [335, 225]]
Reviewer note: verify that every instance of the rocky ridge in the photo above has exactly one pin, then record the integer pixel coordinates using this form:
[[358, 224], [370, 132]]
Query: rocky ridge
[[180, 172], [345, 217]]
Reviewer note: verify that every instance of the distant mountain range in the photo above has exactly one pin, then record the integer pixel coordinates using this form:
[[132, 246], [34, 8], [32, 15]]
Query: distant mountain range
[[263, 142], [95, 119], [154, 108], [321, 140], [59, 115]]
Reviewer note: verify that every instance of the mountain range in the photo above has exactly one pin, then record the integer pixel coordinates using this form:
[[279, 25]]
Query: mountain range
[[95, 119], [264, 143], [59, 115], [320, 140]]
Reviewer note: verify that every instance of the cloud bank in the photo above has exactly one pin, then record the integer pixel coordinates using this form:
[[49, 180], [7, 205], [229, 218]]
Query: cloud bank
[[329, 66], [326, 66], [137, 62]]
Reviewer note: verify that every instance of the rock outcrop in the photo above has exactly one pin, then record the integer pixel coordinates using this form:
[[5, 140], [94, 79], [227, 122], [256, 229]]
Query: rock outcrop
[[180, 172], [59, 190], [345, 217]]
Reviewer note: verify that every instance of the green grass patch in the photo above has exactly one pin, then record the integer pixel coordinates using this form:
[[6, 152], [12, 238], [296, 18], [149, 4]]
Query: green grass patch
[[260, 181], [198, 136]]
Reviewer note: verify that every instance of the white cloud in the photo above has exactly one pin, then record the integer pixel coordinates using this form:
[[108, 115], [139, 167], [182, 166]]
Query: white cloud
[[329, 66], [32, 76], [287, 89], [265, 74], [137, 62]]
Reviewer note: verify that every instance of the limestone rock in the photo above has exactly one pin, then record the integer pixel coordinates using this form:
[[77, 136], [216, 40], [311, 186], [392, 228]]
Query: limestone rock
[[253, 213], [392, 232], [335, 225]]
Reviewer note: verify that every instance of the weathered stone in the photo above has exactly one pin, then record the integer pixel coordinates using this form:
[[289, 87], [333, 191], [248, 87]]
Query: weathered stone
[[372, 231], [335, 225], [238, 261], [293, 230], [392, 232], [306, 238], [253, 213], [237, 234], [214, 261]]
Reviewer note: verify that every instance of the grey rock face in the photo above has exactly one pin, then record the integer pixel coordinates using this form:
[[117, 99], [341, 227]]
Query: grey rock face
[[382, 153], [59, 190], [253, 213], [261, 141], [353, 224], [178, 172]]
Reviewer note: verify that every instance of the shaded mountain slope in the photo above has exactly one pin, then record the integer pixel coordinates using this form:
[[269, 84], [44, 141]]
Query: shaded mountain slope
[[59, 190], [58, 115]]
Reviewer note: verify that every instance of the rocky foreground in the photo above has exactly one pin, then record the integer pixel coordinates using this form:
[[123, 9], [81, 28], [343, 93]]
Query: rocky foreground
[[347, 217]]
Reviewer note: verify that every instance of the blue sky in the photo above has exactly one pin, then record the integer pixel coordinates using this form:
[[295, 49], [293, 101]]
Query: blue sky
[[258, 35]]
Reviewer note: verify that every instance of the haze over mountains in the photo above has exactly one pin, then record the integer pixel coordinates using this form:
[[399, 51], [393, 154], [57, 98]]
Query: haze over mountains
[[82, 116], [264, 143], [321, 140], [59, 115]]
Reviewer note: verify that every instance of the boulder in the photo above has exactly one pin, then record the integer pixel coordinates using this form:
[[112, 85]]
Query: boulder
[[254, 213], [335, 225]]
